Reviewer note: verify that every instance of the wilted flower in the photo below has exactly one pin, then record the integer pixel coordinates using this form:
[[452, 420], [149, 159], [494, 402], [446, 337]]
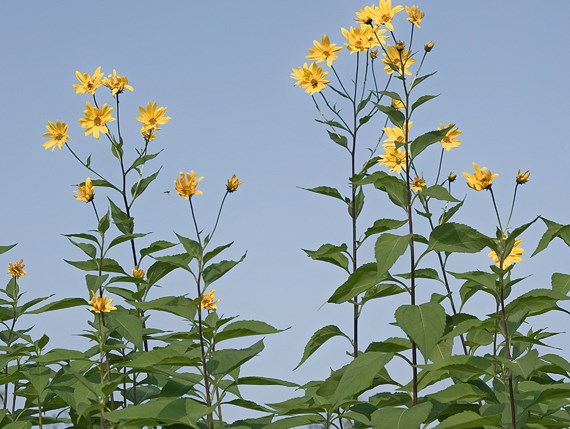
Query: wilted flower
[[88, 84], [57, 133], [415, 15], [138, 273], [233, 183], [324, 51], [522, 178], [152, 117], [85, 192], [449, 141], [513, 257], [481, 179], [117, 84], [208, 301], [418, 184], [16, 269], [186, 184], [100, 304], [95, 119], [400, 46]]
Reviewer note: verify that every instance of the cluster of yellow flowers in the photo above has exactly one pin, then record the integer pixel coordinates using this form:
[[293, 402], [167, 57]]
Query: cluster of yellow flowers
[[363, 38], [186, 184]]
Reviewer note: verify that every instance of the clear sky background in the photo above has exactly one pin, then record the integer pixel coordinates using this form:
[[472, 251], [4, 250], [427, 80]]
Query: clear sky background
[[222, 69]]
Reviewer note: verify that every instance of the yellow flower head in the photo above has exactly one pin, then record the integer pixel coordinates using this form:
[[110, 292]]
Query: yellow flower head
[[418, 184], [138, 273], [429, 46], [186, 184], [88, 84], [522, 178], [415, 15], [149, 135], [233, 184], [365, 16], [152, 117], [324, 51], [481, 179], [100, 304], [117, 84], [375, 36], [396, 134], [95, 119], [397, 104], [16, 269], [449, 141], [57, 133], [452, 176], [513, 257], [397, 59], [358, 38], [310, 78], [85, 192], [208, 301], [383, 13], [393, 158]]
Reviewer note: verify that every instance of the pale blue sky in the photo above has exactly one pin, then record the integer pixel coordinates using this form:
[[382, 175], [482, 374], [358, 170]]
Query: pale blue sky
[[222, 69]]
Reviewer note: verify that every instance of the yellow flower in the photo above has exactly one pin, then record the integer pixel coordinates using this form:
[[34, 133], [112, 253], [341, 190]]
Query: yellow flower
[[324, 51], [396, 134], [513, 257], [393, 158], [186, 185], [415, 15], [397, 104], [57, 133], [208, 301], [313, 78], [429, 46], [375, 36], [117, 84], [418, 184], [298, 74], [88, 84], [138, 273], [383, 13], [149, 135], [452, 176], [358, 38], [95, 119], [396, 59], [233, 184], [373, 54], [16, 269], [522, 178], [85, 192], [449, 141], [100, 304], [481, 179], [365, 16], [151, 117]]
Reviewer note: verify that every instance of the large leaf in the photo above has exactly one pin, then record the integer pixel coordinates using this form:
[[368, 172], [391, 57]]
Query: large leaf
[[394, 115], [157, 246], [224, 361], [330, 253], [382, 225], [179, 305], [456, 237], [470, 419], [296, 422], [128, 325], [124, 223], [140, 186], [401, 418], [160, 411], [439, 193], [424, 324], [60, 305], [561, 283], [245, 328], [214, 271], [328, 191], [318, 339], [107, 265], [424, 141], [421, 100], [388, 249], [339, 139], [395, 188], [358, 282]]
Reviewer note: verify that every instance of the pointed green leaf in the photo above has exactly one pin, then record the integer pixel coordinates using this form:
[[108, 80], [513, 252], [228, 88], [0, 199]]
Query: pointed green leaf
[[401, 418], [358, 282], [224, 361], [139, 187], [421, 100], [330, 253], [468, 420], [328, 191], [456, 237], [439, 193], [245, 328], [4, 249], [318, 339], [424, 141], [388, 249], [213, 253], [338, 139], [382, 225], [424, 324], [214, 271], [60, 305]]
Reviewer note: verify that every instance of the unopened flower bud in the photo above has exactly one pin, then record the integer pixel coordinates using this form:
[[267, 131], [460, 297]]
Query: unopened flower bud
[[452, 176], [429, 46], [400, 46], [374, 54], [522, 178]]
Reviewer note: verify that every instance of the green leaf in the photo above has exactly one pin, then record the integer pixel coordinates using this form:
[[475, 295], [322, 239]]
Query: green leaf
[[469, 419], [192, 247], [401, 418], [448, 214], [124, 237], [391, 94], [388, 249], [19, 425], [160, 411], [214, 271], [318, 339], [4, 249], [104, 224], [83, 236], [179, 305], [60, 305], [124, 223], [381, 291], [264, 381], [140, 186], [382, 225], [554, 230], [394, 115], [395, 188], [107, 265], [420, 80], [213, 253], [296, 422], [561, 283], [338, 139], [142, 159], [421, 100], [224, 361], [157, 246], [158, 270], [103, 184], [39, 378], [424, 141], [358, 282], [358, 375], [456, 237], [439, 193], [424, 324], [89, 249], [60, 355], [359, 203], [328, 191], [128, 325], [330, 253], [245, 328]]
